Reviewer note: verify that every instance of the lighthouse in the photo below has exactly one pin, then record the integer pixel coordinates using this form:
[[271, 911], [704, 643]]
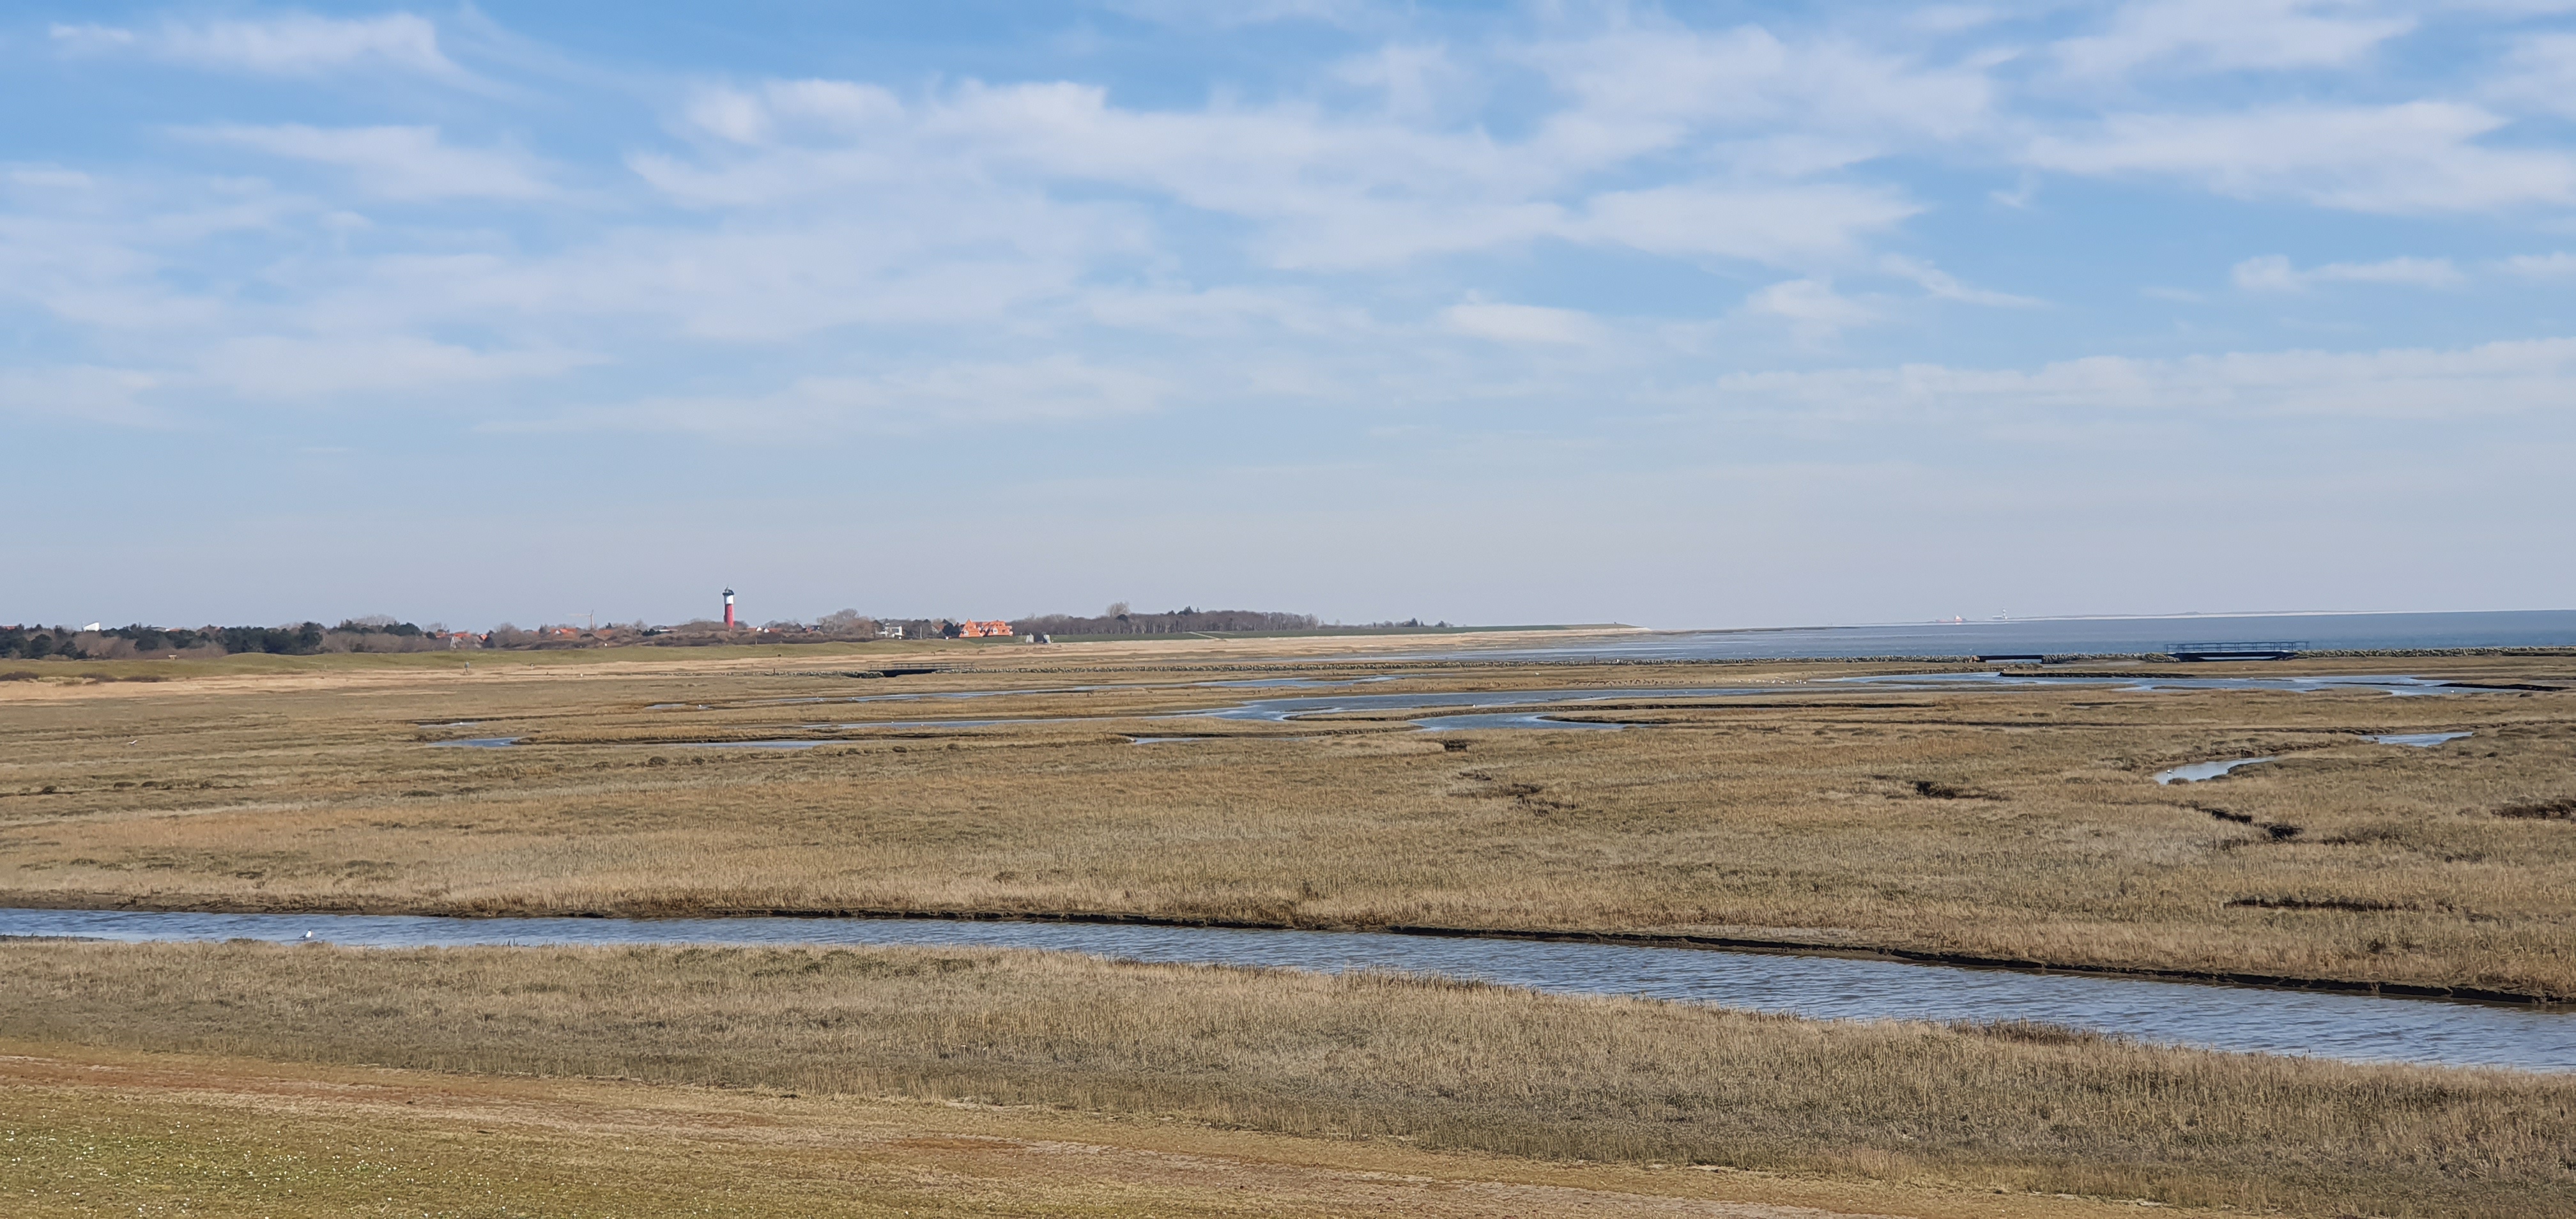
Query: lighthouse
[[728, 609]]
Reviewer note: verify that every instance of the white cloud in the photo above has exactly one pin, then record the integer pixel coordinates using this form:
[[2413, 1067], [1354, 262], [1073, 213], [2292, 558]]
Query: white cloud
[[410, 163], [2220, 35], [82, 392], [1057, 390], [1946, 286], [1811, 307], [2410, 158], [292, 45], [2274, 273], [2406, 383], [1224, 311], [1521, 324], [1338, 192], [269, 367], [1420, 82], [1953, 18], [2539, 74], [1346, 13], [1786, 225], [49, 177], [813, 106], [2560, 265]]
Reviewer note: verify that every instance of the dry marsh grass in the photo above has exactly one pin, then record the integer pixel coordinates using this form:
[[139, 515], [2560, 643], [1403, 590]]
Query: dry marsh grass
[[1999, 824], [1423, 1063], [92, 1132]]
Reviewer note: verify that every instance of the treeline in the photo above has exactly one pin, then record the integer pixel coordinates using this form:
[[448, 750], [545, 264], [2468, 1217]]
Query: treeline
[[384, 634], [127, 642], [849, 625], [839, 626], [1119, 620]]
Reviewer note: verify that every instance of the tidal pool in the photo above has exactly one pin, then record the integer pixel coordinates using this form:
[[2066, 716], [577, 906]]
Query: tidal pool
[[2202, 771], [2421, 740]]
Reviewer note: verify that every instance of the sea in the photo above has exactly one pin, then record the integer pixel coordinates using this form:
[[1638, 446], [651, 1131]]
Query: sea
[[2079, 636]]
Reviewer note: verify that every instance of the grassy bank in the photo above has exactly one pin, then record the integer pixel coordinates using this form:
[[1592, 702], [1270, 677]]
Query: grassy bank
[[1433, 1065], [92, 1131], [2015, 825]]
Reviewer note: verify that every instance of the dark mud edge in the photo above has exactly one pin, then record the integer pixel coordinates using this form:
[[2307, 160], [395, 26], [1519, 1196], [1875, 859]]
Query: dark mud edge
[[1632, 939]]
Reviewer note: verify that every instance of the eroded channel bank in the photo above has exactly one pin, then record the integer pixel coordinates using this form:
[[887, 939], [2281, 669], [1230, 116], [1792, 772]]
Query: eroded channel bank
[[2350, 1027]]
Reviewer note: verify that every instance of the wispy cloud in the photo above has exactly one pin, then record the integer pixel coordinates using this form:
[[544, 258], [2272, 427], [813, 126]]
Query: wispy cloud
[[81, 393], [2539, 74], [2559, 265], [274, 368], [409, 163], [2274, 273], [1946, 286], [295, 44], [2221, 35], [1056, 390], [1326, 192], [2415, 157], [1521, 324], [1812, 308], [2489, 380]]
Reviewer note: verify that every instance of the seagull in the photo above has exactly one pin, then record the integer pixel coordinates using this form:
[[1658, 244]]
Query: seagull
[[308, 935]]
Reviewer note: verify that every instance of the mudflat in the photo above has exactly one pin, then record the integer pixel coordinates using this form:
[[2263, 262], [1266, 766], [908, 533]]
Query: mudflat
[[2020, 824]]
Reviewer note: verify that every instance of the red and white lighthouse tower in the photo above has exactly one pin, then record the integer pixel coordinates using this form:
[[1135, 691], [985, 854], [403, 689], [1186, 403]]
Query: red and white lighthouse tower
[[728, 609]]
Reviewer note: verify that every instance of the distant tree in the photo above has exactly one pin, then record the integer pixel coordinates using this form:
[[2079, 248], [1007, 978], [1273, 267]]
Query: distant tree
[[1177, 621], [102, 645]]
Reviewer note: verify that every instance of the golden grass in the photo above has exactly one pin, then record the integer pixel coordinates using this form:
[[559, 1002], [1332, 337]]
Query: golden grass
[[90, 1132], [1427, 1064], [2020, 825]]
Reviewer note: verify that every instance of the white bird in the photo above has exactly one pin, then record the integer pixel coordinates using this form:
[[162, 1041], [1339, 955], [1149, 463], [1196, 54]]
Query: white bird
[[308, 935]]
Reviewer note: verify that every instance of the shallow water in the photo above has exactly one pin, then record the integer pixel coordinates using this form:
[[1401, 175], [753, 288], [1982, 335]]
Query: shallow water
[[1283, 710], [1288, 709], [2055, 637], [1272, 683], [2358, 1028], [2388, 684], [1532, 719], [2201, 771], [2421, 740]]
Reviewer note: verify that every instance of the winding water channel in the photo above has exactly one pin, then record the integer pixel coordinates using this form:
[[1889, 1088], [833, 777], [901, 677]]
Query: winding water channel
[[2359, 1028]]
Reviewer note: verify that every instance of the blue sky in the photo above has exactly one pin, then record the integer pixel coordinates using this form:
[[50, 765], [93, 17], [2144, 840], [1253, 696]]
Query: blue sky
[[1684, 315]]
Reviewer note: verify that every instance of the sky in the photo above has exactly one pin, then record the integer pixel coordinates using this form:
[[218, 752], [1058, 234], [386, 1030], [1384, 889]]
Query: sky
[[1678, 315]]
